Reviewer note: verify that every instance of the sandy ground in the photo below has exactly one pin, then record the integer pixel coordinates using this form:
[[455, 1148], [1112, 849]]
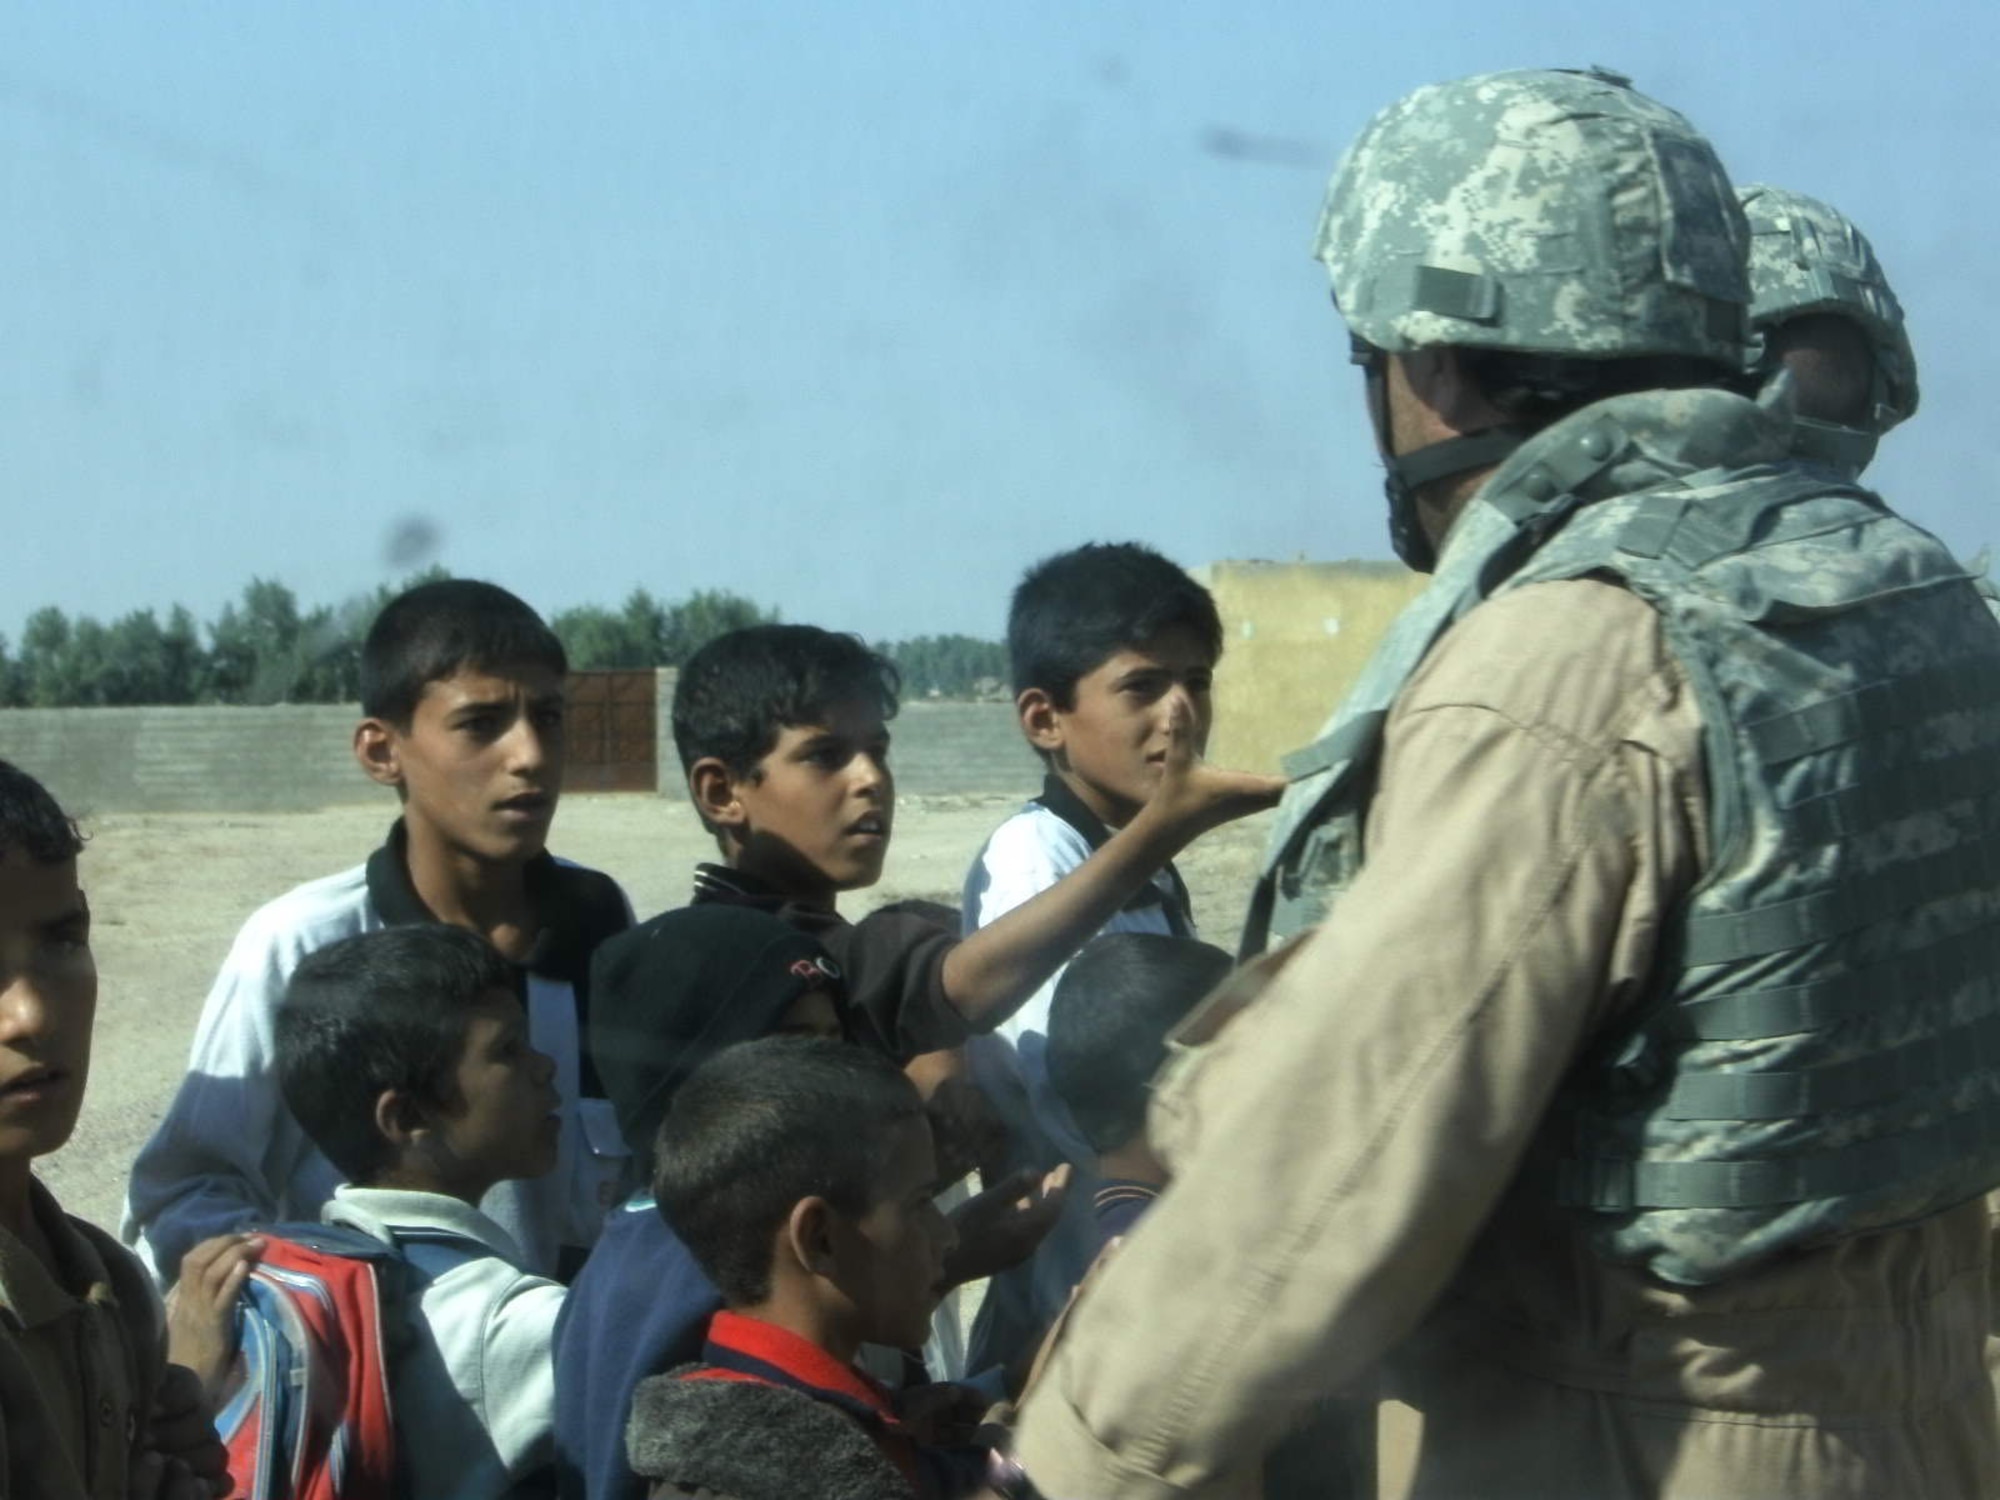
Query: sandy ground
[[168, 891]]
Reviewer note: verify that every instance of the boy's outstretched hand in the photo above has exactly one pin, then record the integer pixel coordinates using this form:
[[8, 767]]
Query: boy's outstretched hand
[[1194, 796], [1002, 1226]]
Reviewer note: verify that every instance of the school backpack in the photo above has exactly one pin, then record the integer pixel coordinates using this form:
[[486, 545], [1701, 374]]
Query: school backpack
[[320, 1321]]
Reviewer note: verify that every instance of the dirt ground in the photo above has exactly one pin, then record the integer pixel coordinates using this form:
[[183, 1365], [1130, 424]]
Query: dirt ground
[[168, 891]]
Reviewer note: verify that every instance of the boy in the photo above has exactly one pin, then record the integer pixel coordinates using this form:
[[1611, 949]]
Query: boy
[[86, 1405], [1112, 651], [404, 1056], [1114, 1007], [462, 692], [1108, 643], [801, 1174], [783, 732], [666, 997]]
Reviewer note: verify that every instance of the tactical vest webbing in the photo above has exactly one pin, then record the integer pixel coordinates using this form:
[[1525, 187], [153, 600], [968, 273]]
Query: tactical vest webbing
[[1822, 1054]]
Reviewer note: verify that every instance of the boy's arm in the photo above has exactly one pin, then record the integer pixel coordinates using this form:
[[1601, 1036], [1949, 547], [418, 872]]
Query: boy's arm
[[518, 1375], [994, 970], [209, 1167]]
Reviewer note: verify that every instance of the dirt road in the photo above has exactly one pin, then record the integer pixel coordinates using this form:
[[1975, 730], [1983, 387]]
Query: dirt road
[[168, 892]]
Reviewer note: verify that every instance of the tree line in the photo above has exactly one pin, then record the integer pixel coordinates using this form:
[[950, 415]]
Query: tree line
[[263, 647]]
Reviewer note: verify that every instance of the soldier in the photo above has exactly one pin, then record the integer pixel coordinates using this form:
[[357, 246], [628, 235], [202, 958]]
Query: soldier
[[1821, 307], [1628, 1111]]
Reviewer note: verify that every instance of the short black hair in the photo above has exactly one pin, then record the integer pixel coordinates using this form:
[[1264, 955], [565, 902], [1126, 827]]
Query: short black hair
[[762, 1125], [1108, 1025], [1073, 612], [737, 693], [435, 629], [32, 821], [381, 1010]]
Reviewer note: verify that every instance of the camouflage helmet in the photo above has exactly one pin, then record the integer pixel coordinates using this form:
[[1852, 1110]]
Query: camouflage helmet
[[1546, 212], [1807, 257]]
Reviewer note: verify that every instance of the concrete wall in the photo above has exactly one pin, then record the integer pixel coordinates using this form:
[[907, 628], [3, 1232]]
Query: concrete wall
[[937, 749], [285, 758], [942, 748], [1295, 636], [294, 757]]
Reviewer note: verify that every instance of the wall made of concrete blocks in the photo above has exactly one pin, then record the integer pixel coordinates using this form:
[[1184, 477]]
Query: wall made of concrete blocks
[[945, 748], [295, 757], [937, 749], [1295, 636], [284, 758]]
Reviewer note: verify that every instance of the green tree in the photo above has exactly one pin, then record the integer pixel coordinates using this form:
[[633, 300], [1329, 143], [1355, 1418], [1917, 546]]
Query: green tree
[[254, 646], [952, 666], [594, 638], [133, 664], [45, 646], [704, 615], [644, 632]]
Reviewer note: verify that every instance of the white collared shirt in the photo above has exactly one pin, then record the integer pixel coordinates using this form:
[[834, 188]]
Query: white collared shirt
[[475, 1391]]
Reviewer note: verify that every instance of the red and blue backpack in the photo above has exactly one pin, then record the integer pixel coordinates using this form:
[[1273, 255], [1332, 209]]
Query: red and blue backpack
[[320, 1321]]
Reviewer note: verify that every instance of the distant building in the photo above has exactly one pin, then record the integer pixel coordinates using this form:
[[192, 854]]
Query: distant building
[[1295, 636]]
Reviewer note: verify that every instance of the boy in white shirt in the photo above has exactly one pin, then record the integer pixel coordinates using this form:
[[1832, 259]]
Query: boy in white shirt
[[462, 691], [1112, 650], [404, 1056]]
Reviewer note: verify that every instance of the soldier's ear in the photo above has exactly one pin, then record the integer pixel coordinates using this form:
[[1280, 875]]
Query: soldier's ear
[[1444, 388], [1040, 720]]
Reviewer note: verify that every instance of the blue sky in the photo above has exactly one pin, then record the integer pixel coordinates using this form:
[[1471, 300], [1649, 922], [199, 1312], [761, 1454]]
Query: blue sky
[[855, 309]]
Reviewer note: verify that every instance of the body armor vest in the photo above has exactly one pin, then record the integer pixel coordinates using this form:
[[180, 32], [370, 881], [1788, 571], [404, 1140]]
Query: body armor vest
[[1820, 1055]]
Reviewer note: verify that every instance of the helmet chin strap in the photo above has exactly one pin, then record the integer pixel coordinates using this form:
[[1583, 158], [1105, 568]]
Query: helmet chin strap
[[1410, 472], [1846, 450]]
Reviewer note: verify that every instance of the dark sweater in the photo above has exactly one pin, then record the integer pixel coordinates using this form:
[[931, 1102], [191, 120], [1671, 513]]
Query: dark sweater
[[767, 1415], [639, 1306]]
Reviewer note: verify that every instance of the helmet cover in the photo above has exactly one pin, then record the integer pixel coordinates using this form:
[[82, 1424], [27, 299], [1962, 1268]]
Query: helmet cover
[[1546, 212]]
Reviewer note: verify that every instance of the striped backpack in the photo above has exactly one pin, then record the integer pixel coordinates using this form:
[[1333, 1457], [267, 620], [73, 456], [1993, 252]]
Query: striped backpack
[[307, 1414]]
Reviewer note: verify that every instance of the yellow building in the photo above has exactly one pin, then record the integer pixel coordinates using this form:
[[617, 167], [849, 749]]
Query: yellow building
[[1295, 636]]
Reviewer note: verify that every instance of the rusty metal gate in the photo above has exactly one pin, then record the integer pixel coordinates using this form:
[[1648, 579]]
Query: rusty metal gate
[[613, 726]]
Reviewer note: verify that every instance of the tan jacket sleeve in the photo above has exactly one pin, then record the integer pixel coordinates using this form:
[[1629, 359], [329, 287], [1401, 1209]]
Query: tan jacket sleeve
[[1340, 1144]]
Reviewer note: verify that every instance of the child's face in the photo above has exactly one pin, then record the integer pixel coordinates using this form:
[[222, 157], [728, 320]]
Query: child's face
[[816, 814], [890, 1261], [504, 1122], [1111, 744], [481, 762], [48, 1000]]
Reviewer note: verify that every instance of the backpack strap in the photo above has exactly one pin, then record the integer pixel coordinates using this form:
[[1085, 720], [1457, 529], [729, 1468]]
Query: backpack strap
[[430, 1253]]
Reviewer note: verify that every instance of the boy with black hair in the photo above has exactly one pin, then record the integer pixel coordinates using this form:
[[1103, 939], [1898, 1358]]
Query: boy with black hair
[[783, 732], [1108, 1025], [666, 997], [89, 1410], [404, 1055], [1107, 644], [462, 697], [801, 1174], [1113, 651]]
